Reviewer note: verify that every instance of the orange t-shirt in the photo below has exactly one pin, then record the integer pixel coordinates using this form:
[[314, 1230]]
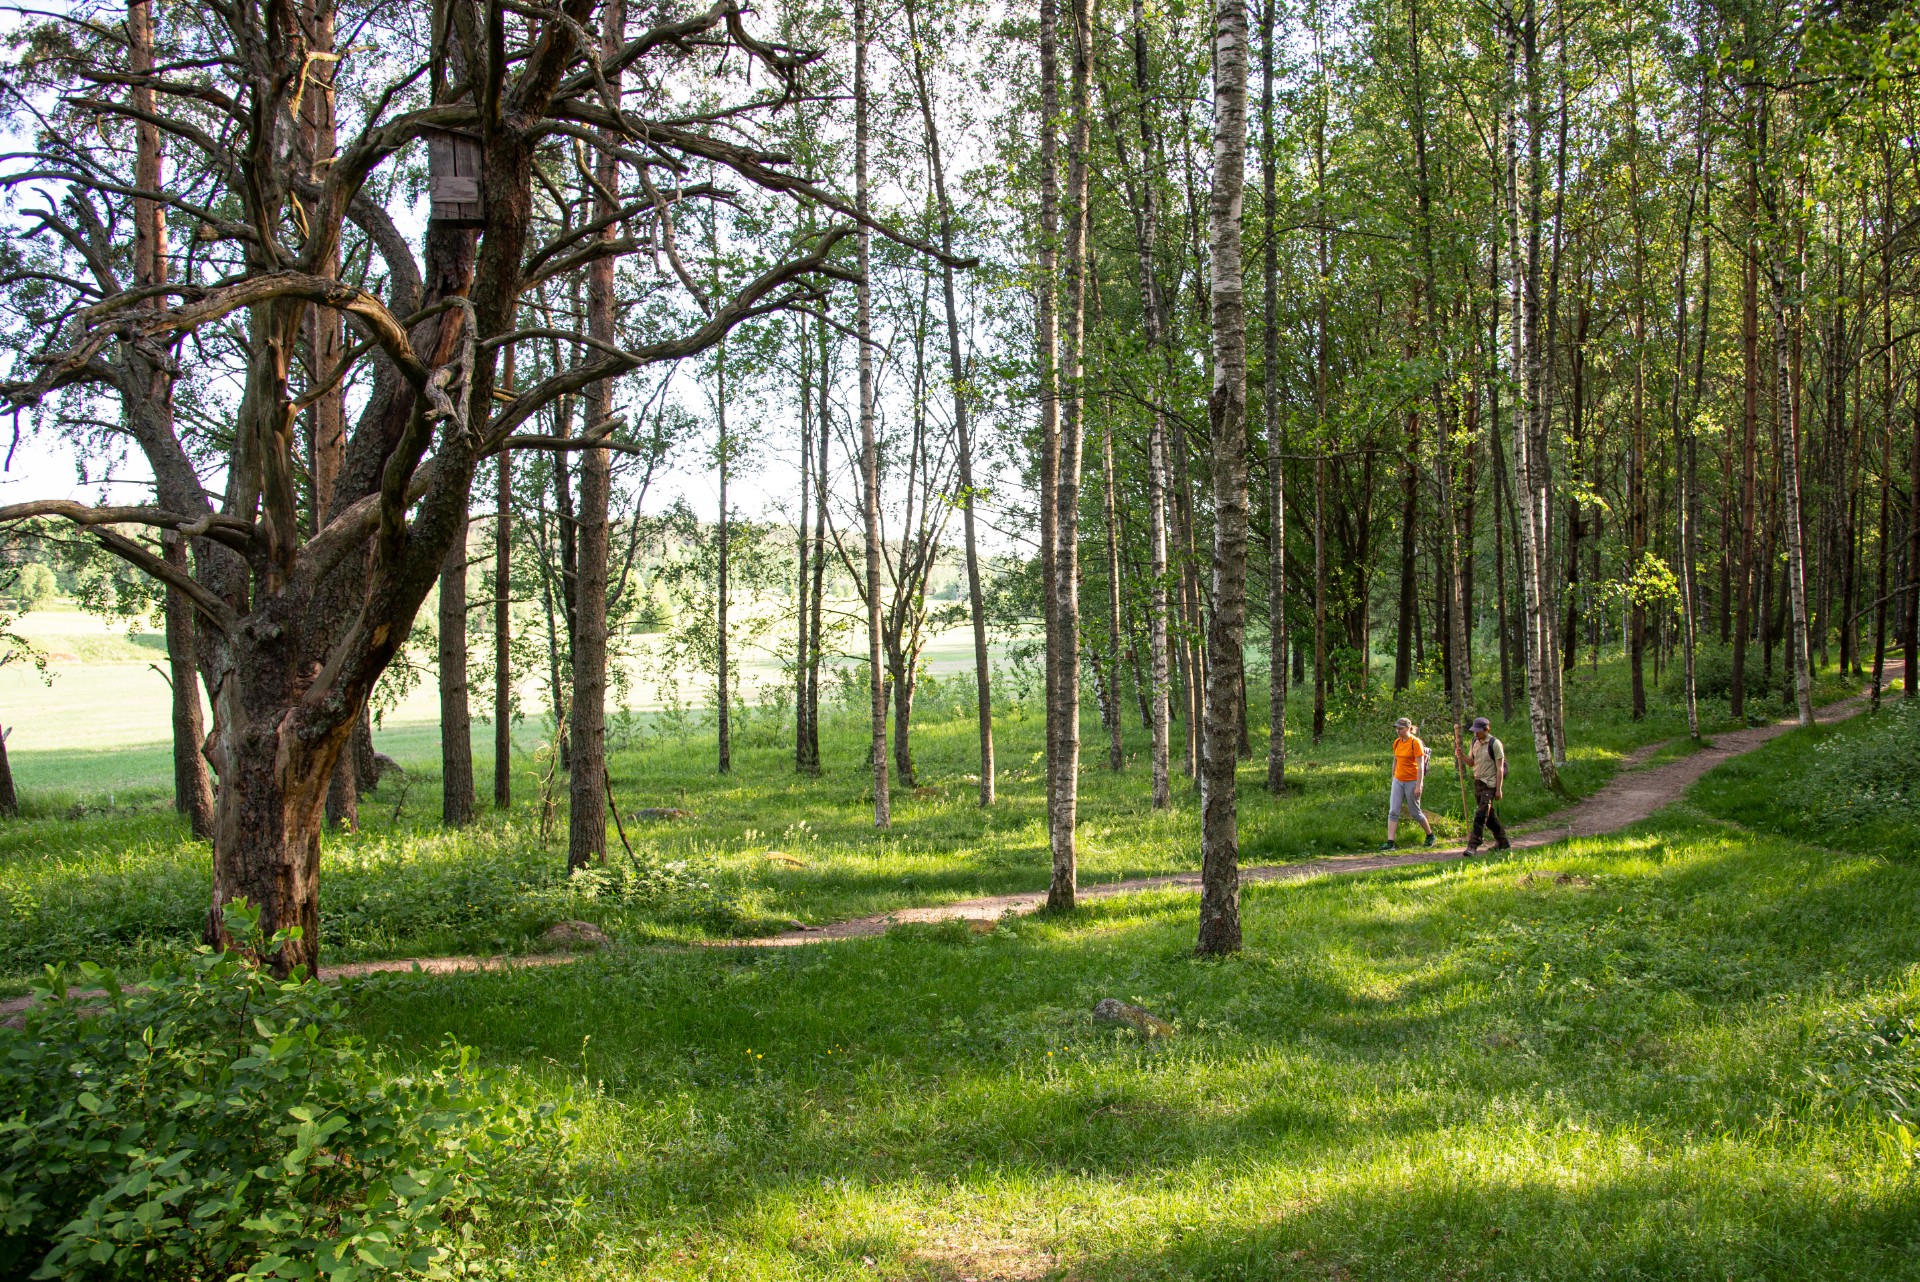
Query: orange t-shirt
[[1406, 758]]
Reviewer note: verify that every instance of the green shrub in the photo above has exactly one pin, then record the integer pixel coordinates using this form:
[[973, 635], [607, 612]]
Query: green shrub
[[1864, 775], [1713, 673], [214, 1122]]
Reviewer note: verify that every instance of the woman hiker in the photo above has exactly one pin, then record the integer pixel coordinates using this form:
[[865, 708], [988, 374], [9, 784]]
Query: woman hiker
[[1409, 777], [1487, 759]]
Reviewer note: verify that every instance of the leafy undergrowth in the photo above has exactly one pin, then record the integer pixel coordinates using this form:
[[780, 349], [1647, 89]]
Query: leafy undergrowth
[[1852, 786], [1679, 1052], [212, 1122], [112, 875]]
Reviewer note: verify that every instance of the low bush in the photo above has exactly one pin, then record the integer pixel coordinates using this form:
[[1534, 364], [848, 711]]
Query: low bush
[[1713, 674], [213, 1122], [1866, 775]]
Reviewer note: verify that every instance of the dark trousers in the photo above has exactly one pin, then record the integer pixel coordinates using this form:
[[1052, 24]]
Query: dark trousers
[[1484, 815]]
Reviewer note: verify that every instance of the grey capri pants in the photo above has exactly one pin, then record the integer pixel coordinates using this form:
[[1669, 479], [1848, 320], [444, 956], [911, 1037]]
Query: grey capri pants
[[1405, 800]]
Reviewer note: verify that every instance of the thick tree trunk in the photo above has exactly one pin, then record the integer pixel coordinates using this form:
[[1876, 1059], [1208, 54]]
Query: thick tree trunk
[[1219, 821], [1637, 469], [272, 797], [869, 452], [903, 684], [456, 720]]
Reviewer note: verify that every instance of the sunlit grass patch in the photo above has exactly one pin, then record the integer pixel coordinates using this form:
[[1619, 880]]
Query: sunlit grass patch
[[1435, 1071]]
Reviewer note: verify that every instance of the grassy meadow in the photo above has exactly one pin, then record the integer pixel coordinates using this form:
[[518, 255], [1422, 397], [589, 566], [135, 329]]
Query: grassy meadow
[[1680, 1051], [99, 867]]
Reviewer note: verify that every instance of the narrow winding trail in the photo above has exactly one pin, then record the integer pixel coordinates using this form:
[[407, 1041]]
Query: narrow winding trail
[[1633, 795]]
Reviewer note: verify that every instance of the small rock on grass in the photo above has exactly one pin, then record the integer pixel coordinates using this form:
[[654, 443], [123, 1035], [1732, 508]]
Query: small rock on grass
[[1111, 1010], [574, 934], [664, 812]]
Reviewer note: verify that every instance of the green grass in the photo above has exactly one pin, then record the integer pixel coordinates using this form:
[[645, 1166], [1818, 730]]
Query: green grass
[[1647, 1055], [1438, 1072], [100, 868], [1765, 790]]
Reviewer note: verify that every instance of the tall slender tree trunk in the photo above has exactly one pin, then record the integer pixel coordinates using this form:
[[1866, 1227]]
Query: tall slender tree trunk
[[802, 552], [1750, 418], [1063, 719], [1153, 323], [1528, 369], [962, 428], [1116, 748], [1460, 636], [1270, 405], [1888, 392], [192, 783], [1323, 261], [1787, 410], [821, 444], [1910, 674], [1219, 822], [1637, 469], [1409, 560], [9, 799], [869, 447], [456, 717], [587, 738], [503, 625], [723, 586]]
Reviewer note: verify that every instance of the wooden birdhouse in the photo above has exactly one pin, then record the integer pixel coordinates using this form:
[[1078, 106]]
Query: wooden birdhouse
[[454, 169]]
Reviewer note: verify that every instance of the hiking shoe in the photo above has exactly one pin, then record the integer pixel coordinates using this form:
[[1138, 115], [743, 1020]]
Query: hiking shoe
[[1505, 845], [1469, 852], [1429, 840], [1386, 845]]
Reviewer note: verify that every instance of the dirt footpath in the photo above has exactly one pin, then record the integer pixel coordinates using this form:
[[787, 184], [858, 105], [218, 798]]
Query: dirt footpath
[[1633, 795]]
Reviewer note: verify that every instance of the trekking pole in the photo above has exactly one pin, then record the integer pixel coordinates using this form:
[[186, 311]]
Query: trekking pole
[[1460, 773]]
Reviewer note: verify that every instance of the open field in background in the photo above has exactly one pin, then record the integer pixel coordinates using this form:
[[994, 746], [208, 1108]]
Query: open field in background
[[102, 720]]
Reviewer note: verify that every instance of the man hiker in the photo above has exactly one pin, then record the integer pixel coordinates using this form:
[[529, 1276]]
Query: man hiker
[[1487, 759], [1409, 777]]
